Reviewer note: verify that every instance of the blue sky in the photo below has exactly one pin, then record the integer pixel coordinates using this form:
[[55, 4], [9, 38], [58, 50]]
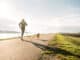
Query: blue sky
[[41, 15]]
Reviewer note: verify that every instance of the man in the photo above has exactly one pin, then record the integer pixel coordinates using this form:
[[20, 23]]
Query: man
[[22, 26]]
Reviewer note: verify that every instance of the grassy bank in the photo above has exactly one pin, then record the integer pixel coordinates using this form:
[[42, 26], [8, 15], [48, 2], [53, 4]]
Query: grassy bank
[[67, 43]]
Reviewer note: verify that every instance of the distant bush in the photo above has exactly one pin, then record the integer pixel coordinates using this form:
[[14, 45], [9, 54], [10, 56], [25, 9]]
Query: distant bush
[[71, 34]]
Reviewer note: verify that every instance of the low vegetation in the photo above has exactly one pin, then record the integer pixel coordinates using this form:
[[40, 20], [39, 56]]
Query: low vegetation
[[64, 42]]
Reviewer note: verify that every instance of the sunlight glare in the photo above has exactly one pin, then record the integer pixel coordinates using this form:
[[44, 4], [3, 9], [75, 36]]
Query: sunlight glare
[[5, 10]]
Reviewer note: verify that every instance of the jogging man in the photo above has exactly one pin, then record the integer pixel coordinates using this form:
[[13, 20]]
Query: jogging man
[[22, 26]]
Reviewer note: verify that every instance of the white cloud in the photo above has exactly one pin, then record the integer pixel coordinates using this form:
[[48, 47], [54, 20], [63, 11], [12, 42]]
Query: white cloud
[[71, 20], [41, 15]]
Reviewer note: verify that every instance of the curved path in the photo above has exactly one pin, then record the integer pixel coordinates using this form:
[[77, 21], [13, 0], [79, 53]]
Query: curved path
[[15, 49]]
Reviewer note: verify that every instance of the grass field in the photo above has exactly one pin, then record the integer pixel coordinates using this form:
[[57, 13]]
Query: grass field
[[67, 43]]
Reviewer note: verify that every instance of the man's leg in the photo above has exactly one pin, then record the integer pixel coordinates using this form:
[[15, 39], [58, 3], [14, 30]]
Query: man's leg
[[22, 33]]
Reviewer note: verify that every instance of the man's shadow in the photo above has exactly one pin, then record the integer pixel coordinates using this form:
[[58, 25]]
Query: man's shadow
[[54, 49]]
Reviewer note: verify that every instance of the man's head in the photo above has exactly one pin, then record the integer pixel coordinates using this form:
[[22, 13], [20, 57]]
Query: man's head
[[23, 20]]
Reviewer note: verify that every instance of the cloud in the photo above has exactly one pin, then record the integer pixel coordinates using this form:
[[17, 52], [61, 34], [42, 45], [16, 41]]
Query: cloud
[[71, 20], [41, 15]]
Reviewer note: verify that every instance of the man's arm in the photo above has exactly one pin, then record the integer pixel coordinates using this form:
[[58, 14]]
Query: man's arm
[[20, 24], [26, 24]]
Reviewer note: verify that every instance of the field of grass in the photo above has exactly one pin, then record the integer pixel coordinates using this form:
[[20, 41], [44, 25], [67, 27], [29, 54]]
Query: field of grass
[[67, 43]]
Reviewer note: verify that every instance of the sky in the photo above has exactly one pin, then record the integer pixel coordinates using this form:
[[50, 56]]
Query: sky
[[42, 16]]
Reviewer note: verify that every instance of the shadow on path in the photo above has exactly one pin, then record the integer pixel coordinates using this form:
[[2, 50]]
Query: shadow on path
[[55, 50], [44, 40]]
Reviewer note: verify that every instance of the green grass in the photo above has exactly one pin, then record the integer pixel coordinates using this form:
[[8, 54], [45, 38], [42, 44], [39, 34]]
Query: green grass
[[68, 43], [74, 40]]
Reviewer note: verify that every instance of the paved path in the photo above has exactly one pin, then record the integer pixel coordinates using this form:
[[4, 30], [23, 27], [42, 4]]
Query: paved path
[[15, 49]]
